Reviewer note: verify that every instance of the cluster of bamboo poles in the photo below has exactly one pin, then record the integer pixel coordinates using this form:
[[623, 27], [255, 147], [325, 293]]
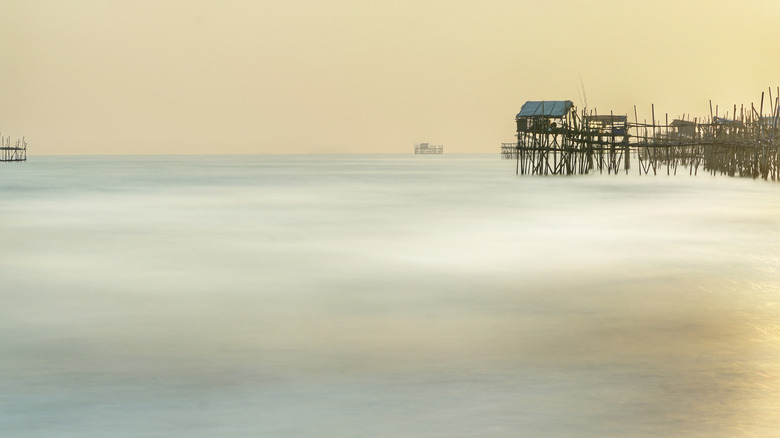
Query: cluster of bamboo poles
[[747, 144], [13, 151]]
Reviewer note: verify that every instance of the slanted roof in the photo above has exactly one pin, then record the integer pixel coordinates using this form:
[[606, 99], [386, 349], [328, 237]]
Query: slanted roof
[[548, 108], [680, 123], [607, 119], [723, 121]]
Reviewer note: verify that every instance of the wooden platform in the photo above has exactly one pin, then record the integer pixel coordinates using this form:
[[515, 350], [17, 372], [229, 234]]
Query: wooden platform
[[13, 152], [554, 139]]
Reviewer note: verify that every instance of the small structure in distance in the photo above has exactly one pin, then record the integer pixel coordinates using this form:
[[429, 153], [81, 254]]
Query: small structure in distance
[[13, 151], [427, 148]]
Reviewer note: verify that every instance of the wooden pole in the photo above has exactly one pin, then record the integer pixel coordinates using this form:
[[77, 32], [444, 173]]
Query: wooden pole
[[666, 128], [652, 107], [761, 116]]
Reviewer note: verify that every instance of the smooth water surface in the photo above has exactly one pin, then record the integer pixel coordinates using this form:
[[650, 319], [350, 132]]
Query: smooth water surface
[[383, 296]]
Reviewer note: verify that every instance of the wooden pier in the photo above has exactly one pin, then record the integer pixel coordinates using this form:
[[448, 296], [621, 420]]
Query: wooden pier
[[16, 151], [554, 139]]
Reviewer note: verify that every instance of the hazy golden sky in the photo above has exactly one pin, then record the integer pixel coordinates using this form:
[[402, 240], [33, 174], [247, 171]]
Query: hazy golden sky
[[228, 76]]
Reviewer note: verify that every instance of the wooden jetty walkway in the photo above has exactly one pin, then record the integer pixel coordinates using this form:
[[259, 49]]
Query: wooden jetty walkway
[[13, 151], [554, 139]]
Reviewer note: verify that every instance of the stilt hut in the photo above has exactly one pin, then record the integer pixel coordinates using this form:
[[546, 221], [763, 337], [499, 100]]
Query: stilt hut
[[544, 123], [544, 132], [683, 129]]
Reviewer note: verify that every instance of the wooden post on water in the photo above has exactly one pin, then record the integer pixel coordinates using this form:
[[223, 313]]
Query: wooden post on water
[[638, 154], [655, 151], [666, 128]]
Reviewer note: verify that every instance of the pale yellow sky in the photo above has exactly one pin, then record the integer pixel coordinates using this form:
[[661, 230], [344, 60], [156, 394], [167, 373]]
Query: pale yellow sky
[[229, 76]]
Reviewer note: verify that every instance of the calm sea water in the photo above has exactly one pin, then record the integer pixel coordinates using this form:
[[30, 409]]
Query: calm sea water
[[383, 296]]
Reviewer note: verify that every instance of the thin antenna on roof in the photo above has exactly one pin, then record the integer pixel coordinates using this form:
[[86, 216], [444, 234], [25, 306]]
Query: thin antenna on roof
[[584, 95]]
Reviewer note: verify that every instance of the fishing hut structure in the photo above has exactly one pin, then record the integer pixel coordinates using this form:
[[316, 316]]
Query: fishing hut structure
[[544, 136], [683, 130], [16, 151], [553, 138], [426, 148]]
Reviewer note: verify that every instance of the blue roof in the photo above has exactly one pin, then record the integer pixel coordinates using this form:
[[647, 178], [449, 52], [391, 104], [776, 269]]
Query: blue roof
[[549, 108]]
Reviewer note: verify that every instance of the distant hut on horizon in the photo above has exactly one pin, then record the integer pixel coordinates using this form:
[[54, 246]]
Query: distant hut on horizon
[[13, 151], [427, 148]]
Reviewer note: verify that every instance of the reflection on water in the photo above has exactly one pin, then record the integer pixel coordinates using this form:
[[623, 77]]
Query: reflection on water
[[385, 296]]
